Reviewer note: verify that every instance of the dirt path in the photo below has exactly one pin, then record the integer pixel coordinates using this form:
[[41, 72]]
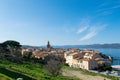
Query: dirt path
[[82, 76]]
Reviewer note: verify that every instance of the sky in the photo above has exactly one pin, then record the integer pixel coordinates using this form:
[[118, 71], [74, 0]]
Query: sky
[[62, 22]]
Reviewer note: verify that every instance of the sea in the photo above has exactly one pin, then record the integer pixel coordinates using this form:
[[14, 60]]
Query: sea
[[115, 53]]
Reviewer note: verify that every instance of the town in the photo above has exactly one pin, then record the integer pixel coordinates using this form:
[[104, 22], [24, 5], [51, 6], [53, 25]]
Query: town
[[53, 60], [85, 59]]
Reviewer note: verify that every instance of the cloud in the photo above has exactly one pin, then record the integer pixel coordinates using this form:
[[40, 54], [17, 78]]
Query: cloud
[[107, 8], [104, 4], [87, 29], [105, 13], [84, 25], [93, 31], [88, 36], [82, 29]]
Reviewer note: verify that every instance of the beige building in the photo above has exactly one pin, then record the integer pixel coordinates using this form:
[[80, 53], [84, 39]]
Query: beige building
[[87, 64], [85, 59]]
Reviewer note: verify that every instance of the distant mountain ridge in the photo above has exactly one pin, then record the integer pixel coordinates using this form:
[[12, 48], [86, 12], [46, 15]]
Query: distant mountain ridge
[[28, 46], [113, 45]]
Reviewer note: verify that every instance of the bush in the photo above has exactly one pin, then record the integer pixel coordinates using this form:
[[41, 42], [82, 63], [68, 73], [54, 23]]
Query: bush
[[105, 68], [53, 67]]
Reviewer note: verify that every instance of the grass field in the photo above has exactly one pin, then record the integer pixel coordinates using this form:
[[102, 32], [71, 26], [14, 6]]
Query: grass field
[[28, 71], [4, 77], [34, 71]]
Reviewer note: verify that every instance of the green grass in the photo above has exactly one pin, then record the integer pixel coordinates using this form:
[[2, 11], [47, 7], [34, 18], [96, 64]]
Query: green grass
[[4, 77], [31, 71], [28, 71], [13, 74]]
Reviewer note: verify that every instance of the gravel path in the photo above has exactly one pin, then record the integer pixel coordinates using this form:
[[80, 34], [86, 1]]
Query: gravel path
[[82, 76]]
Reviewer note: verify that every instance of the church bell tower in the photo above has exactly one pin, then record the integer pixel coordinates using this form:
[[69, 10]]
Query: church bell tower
[[48, 45]]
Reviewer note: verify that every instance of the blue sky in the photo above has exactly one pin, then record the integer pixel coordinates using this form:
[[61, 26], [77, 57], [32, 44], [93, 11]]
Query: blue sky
[[62, 22]]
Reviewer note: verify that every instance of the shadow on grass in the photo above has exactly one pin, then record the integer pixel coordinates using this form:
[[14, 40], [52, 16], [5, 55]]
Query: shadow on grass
[[14, 75]]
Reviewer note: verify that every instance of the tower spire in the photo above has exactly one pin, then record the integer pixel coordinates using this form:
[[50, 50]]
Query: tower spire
[[48, 45]]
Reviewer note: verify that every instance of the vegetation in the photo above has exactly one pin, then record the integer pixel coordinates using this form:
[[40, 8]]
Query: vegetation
[[53, 67], [27, 56], [4, 77], [28, 70], [14, 65], [14, 74], [13, 47], [105, 68], [11, 50]]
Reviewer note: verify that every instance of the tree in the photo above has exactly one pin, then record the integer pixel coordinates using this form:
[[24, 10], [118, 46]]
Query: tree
[[14, 47], [3, 50], [27, 55], [105, 67], [53, 67]]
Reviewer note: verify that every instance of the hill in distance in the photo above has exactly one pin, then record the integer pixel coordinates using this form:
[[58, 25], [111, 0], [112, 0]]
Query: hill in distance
[[113, 45]]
